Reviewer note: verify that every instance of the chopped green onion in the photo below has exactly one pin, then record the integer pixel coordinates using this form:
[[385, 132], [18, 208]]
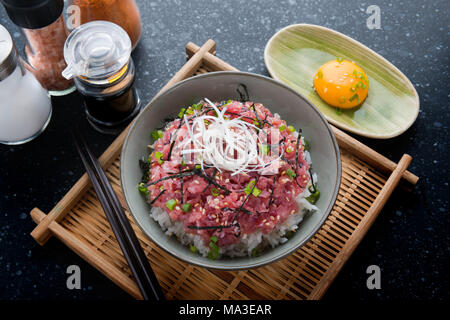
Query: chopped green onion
[[265, 149], [282, 127], [213, 254], [158, 156], [255, 252], [289, 149], [193, 249], [342, 99], [215, 192], [291, 128], [249, 187], [338, 111], [339, 59], [143, 189], [197, 106], [181, 113], [171, 204], [157, 134], [320, 74], [186, 207], [206, 122], [358, 74], [289, 234], [355, 96], [190, 111], [352, 88], [256, 192], [198, 166], [315, 194], [214, 239], [291, 174]]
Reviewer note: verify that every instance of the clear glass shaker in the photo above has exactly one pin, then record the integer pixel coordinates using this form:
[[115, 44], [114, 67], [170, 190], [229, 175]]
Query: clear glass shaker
[[98, 58], [25, 107]]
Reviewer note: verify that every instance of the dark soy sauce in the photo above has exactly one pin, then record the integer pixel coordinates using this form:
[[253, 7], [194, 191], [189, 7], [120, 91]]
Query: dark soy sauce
[[112, 109]]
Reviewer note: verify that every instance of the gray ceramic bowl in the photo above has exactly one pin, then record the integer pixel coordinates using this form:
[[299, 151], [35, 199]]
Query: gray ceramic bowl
[[220, 86]]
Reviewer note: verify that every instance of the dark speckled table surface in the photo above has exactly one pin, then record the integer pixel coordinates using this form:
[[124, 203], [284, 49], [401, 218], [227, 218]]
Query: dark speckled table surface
[[409, 241]]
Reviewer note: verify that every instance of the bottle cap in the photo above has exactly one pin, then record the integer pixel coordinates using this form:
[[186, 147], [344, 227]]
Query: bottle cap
[[33, 14], [8, 54], [96, 50]]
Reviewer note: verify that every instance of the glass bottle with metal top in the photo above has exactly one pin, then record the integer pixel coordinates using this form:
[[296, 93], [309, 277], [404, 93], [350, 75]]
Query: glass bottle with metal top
[[25, 107], [98, 58]]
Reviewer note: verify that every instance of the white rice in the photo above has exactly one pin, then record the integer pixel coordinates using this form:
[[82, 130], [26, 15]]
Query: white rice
[[248, 242]]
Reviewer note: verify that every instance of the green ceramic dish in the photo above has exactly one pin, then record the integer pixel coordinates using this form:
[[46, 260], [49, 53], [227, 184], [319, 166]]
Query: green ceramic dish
[[220, 86], [295, 53]]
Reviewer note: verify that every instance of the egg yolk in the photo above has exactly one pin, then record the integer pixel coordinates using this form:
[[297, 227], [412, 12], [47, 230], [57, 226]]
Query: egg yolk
[[341, 83]]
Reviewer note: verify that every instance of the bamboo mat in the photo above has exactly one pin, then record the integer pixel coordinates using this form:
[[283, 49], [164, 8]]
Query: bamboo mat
[[368, 180]]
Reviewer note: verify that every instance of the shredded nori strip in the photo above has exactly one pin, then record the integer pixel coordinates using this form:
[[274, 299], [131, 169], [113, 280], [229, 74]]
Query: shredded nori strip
[[145, 167], [209, 182], [267, 122], [213, 181], [312, 180], [186, 173], [245, 200], [157, 197], [210, 227], [256, 115], [181, 188], [244, 96], [237, 210], [239, 232], [296, 148]]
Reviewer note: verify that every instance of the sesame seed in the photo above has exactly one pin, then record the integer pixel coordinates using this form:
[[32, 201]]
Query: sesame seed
[[287, 198], [264, 220], [227, 180], [272, 218], [293, 211], [217, 220], [267, 223], [177, 208], [196, 181]]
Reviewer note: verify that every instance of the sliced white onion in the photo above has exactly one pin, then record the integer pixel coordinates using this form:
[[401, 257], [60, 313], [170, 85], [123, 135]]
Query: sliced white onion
[[226, 144]]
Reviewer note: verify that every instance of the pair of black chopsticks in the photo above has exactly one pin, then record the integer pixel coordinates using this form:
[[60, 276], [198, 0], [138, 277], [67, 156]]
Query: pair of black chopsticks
[[139, 265]]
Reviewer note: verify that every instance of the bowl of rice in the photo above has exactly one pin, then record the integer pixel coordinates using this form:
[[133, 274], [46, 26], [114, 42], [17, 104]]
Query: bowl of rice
[[230, 170]]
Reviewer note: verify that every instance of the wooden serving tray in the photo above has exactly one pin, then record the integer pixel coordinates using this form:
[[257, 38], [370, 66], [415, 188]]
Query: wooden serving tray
[[368, 180]]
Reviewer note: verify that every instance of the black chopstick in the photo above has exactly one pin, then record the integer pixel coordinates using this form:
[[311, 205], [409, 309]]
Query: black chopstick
[[139, 265]]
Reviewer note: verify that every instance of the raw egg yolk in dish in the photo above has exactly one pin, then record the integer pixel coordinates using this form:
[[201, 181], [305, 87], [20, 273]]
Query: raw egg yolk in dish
[[341, 83]]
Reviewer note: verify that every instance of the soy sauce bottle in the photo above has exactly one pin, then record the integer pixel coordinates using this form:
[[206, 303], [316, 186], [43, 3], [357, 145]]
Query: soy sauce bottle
[[98, 58]]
